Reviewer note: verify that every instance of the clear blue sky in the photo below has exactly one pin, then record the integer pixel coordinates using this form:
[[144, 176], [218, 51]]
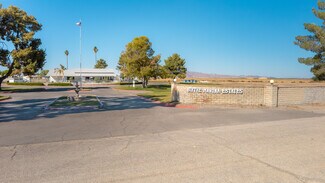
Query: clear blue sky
[[237, 37]]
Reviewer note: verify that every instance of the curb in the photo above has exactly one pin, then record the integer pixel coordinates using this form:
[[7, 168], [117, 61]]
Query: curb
[[6, 98], [26, 91], [47, 107], [101, 105]]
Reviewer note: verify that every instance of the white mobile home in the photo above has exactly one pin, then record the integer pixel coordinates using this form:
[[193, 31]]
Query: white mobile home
[[87, 75]]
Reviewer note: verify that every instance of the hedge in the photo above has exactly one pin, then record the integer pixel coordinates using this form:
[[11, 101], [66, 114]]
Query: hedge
[[130, 83], [59, 84], [26, 84]]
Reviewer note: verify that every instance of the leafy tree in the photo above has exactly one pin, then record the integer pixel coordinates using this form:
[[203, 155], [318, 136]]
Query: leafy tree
[[101, 64], [138, 60], [159, 72], [66, 52], [95, 51], [19, 50], [315, 43], [2, 73], [43, 73], [175, 66], [164, 73]]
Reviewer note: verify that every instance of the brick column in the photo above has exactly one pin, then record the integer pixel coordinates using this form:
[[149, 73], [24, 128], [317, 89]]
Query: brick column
[[271, 95], [175, 95]]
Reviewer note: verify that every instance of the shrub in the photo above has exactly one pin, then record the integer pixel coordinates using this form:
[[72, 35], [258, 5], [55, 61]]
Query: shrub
[[129, 83], [27, 84], [59, 84]]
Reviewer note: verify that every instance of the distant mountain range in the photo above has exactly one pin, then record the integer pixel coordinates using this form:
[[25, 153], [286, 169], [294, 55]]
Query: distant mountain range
[[191, 74]]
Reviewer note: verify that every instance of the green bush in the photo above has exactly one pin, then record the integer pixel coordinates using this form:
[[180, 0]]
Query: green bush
[[27, 84], [59, 84], [130, 83]]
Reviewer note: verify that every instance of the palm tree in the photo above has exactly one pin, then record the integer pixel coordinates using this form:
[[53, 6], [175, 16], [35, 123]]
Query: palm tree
[[60, 71], [67, 54], [95, 51]]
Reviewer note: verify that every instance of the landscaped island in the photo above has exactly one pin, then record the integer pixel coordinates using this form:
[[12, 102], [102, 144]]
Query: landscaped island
[[76, 102]]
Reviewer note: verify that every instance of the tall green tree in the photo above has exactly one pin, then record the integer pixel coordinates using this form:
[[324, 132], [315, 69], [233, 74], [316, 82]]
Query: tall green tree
[[101, 64], [66, 52], [315, 43], [175, 66], [95, 51], [138, 60], [19, 49]]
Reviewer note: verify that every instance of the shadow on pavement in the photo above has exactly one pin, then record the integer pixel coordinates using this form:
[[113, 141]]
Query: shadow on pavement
[[22, 109], [30, 109], [46, 89]]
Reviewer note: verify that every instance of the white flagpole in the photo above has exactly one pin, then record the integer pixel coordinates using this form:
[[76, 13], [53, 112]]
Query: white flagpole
[[80, 25]]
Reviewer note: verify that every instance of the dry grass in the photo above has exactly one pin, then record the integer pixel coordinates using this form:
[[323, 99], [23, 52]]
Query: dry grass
[[4, 97], [160, 93], [249, 81]]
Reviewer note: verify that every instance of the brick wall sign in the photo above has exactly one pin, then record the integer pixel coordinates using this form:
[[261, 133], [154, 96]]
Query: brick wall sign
[[268, 95], [216, 90]]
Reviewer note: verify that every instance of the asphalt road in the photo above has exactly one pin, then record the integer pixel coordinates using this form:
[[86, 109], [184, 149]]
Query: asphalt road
[[134, 140]]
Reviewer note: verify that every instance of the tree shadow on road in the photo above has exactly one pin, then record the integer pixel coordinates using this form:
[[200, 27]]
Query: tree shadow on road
[[44, 89], [123, 103], [22, 109], [34, 108]]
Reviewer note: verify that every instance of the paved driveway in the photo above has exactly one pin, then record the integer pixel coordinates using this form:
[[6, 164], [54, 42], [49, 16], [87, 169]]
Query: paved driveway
[[134, 140]]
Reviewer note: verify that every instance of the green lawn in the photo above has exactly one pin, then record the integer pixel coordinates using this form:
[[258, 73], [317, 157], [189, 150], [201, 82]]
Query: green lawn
[[59, 84], [160, 93], [4, 97], [84, 101]]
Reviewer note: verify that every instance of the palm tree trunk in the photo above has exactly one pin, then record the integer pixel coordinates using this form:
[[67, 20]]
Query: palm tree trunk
[[67, 62]]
